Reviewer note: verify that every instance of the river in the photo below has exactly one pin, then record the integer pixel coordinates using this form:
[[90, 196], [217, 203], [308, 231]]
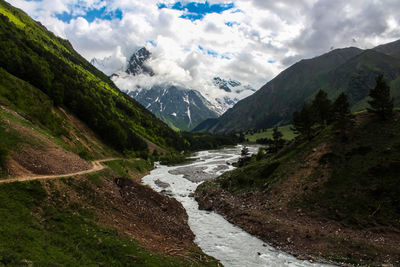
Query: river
[[215, 235]]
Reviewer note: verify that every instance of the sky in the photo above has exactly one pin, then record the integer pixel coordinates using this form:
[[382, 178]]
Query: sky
[[193, 41]]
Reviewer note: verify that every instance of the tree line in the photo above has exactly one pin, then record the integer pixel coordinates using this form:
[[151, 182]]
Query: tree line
[[322, 111]]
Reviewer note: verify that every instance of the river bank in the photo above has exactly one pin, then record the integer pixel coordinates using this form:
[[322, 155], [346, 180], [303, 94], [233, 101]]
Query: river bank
[[301, 235], [276, 207]]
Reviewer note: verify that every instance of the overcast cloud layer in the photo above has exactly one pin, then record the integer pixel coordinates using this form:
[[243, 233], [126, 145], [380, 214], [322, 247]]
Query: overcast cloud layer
[[251, 41]]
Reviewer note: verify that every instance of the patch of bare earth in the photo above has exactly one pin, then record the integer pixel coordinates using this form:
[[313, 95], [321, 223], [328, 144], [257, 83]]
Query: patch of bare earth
[[269, 216], [49, 160], [157, 222], [153, 147], [43, 156]]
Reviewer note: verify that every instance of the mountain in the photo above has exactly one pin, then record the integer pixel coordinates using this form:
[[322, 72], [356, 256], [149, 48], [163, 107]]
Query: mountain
[[349, 70], [138, 77], [231, 85], [32, 53], [179, 107], [136, 64]]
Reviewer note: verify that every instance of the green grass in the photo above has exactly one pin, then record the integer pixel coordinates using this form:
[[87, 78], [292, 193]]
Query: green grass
[[288, 134], [33, 231], [126, 167], [175, 159]]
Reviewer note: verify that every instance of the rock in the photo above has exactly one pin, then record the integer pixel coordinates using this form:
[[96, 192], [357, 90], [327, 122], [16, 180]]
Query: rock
[[161, 184]]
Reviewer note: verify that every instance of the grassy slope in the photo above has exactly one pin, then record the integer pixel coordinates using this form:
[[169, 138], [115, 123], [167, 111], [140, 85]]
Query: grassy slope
[[363, 174], [38, 229], [32, 53], [288, 134], [353, 183], [31, 108]]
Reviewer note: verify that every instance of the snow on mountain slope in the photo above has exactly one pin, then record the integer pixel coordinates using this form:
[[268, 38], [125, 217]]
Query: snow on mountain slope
[[172, 100]]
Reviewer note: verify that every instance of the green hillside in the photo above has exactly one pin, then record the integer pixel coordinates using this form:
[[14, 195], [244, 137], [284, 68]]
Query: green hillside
[[33, 54], [330, 197], [349, 70]]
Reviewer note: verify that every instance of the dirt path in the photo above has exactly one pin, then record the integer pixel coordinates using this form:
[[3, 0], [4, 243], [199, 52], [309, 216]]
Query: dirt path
[[96, 166]]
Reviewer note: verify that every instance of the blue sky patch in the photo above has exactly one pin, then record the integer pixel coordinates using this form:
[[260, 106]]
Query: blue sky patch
[[152, 43], [92, 14], [231, 23], [271, 61], [212, 53], [195, 11], [208, 51]]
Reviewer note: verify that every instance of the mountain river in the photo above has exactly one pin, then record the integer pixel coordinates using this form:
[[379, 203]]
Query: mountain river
[[215, 235]]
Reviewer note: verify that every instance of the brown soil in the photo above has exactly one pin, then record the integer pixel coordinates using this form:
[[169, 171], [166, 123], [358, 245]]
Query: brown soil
[[151, 146], [95, 167], [159, 223], [49, 160], [269, 216]]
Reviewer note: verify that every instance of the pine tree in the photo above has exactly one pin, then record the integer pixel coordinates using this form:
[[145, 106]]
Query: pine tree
[[304, 120], [245, 151], [322, 107], [342, 114], [381, 102], [277, 142]]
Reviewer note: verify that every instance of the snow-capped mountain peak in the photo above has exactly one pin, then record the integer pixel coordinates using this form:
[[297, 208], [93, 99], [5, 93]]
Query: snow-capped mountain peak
[[136, 64]]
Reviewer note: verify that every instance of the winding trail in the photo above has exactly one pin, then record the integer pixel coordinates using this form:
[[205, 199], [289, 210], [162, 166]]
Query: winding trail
[[96, 166]]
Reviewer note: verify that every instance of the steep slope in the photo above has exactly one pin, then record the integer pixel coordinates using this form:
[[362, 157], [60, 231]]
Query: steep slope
[[350, 69], [33, 54], [179, 107], [325, 198]]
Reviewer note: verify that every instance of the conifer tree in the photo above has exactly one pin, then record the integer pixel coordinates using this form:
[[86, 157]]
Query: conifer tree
[[277, 142], [245, 152], [304, 120], [342, 114], [322, 107], [381, 102]]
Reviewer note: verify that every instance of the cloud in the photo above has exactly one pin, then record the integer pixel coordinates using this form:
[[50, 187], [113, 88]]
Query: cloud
[[248, 40]]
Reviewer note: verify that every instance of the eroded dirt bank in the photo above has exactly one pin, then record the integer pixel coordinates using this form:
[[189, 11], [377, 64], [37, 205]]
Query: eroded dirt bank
[[157, 222], [303, 235]]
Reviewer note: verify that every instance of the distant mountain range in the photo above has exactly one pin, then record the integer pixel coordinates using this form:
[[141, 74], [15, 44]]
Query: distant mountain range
[[350, 70], [181, 108]]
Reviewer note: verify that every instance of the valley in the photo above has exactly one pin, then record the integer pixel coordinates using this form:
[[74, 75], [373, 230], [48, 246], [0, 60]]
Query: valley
[[160, 152]]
